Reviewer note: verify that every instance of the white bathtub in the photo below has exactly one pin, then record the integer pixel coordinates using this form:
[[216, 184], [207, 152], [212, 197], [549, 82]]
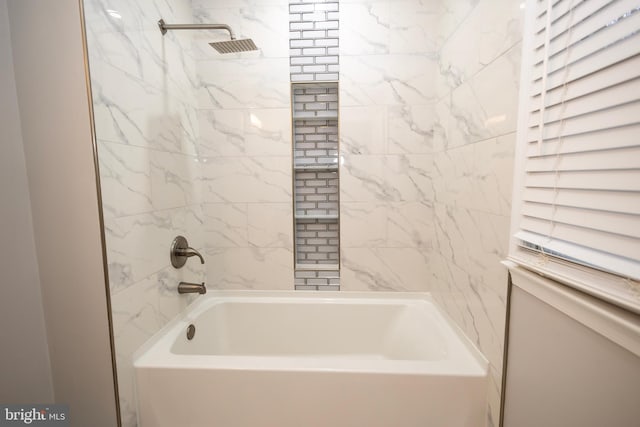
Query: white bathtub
[[311, 359]]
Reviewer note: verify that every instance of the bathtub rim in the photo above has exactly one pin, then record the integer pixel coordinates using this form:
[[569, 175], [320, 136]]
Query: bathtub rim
[[477, 366]]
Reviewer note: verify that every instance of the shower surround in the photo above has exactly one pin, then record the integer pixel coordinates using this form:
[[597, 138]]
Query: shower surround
[[473, 147], [145, 108], [429, 94], [195, 143], [245, 147], [388, 59]]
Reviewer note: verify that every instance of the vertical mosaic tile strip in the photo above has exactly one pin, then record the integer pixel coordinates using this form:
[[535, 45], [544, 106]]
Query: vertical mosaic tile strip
[[313, 41], [313, 61], [316, 182]]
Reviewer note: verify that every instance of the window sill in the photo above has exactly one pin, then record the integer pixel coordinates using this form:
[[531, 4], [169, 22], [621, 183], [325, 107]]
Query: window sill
[[608, 287]]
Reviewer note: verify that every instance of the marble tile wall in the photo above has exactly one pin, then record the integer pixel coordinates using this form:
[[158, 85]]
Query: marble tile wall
[[473, 148], [145, 108], [388, 60], [428, 117], [245, 146]]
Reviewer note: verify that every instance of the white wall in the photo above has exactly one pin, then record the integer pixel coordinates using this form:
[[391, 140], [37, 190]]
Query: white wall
[[24, 358], [53, 104]]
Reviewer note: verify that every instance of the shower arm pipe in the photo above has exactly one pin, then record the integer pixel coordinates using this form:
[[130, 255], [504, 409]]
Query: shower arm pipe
[[164, 27]]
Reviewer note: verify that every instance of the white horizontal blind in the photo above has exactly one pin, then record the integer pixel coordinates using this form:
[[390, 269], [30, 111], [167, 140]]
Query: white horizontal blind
[[581, 186]]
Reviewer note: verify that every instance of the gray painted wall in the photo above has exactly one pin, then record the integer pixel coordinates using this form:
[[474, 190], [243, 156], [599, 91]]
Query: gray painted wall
[[24, 355], [572, 361], [53, 104]]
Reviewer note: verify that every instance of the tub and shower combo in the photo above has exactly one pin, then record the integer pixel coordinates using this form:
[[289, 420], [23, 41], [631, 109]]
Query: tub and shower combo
[[306, 359], [310, 359]]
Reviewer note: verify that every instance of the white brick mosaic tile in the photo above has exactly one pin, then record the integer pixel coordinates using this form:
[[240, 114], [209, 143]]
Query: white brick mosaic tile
[[314, 29], [316, 212], [313, 53]]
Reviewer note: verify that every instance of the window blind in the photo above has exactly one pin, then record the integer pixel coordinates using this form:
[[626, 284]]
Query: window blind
[[580, 184]]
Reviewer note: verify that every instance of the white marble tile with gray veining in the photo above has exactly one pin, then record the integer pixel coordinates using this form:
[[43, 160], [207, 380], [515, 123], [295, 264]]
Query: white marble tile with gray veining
[[362, 180], [250, 268], [137, 245], [391, 178], [137, 180], [486, 106], [173, 178], [475, 121], [387, 80], [117, 49], [162, 62], [250, 132], [489, 30], [455, 227], [247, 179], [266, 24], [125, 15], [384, 269], [222, 132], [469, 279], [451, 14], [113, 16], [270, 225], [476, 176], [468, 304], [137, 313], [135, 319], [483, 107], [195, 220], [493, 185], [363, 224], [467, 118], [386, 224], [250, 82], [143, 87], [410, 225], [169, 62], [267, 132], [411, 26], [225, 225], [453, 176], [496, 88], [364, 28], [410, 129], [130, 112], [363, 129], [125, 179], [442, 118]]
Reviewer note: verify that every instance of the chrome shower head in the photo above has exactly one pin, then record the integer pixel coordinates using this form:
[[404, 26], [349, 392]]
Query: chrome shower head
[[232, 46], [228, 46]]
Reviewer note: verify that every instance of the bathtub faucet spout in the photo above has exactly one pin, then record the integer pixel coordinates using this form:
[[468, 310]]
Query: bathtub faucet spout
[[192, 288]]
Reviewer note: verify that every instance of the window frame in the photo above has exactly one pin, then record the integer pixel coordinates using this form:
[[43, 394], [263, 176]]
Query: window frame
[[609, 287]]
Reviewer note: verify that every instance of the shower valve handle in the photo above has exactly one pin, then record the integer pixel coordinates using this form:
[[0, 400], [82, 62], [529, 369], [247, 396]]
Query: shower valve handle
[[189, 252], [180, 251]]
